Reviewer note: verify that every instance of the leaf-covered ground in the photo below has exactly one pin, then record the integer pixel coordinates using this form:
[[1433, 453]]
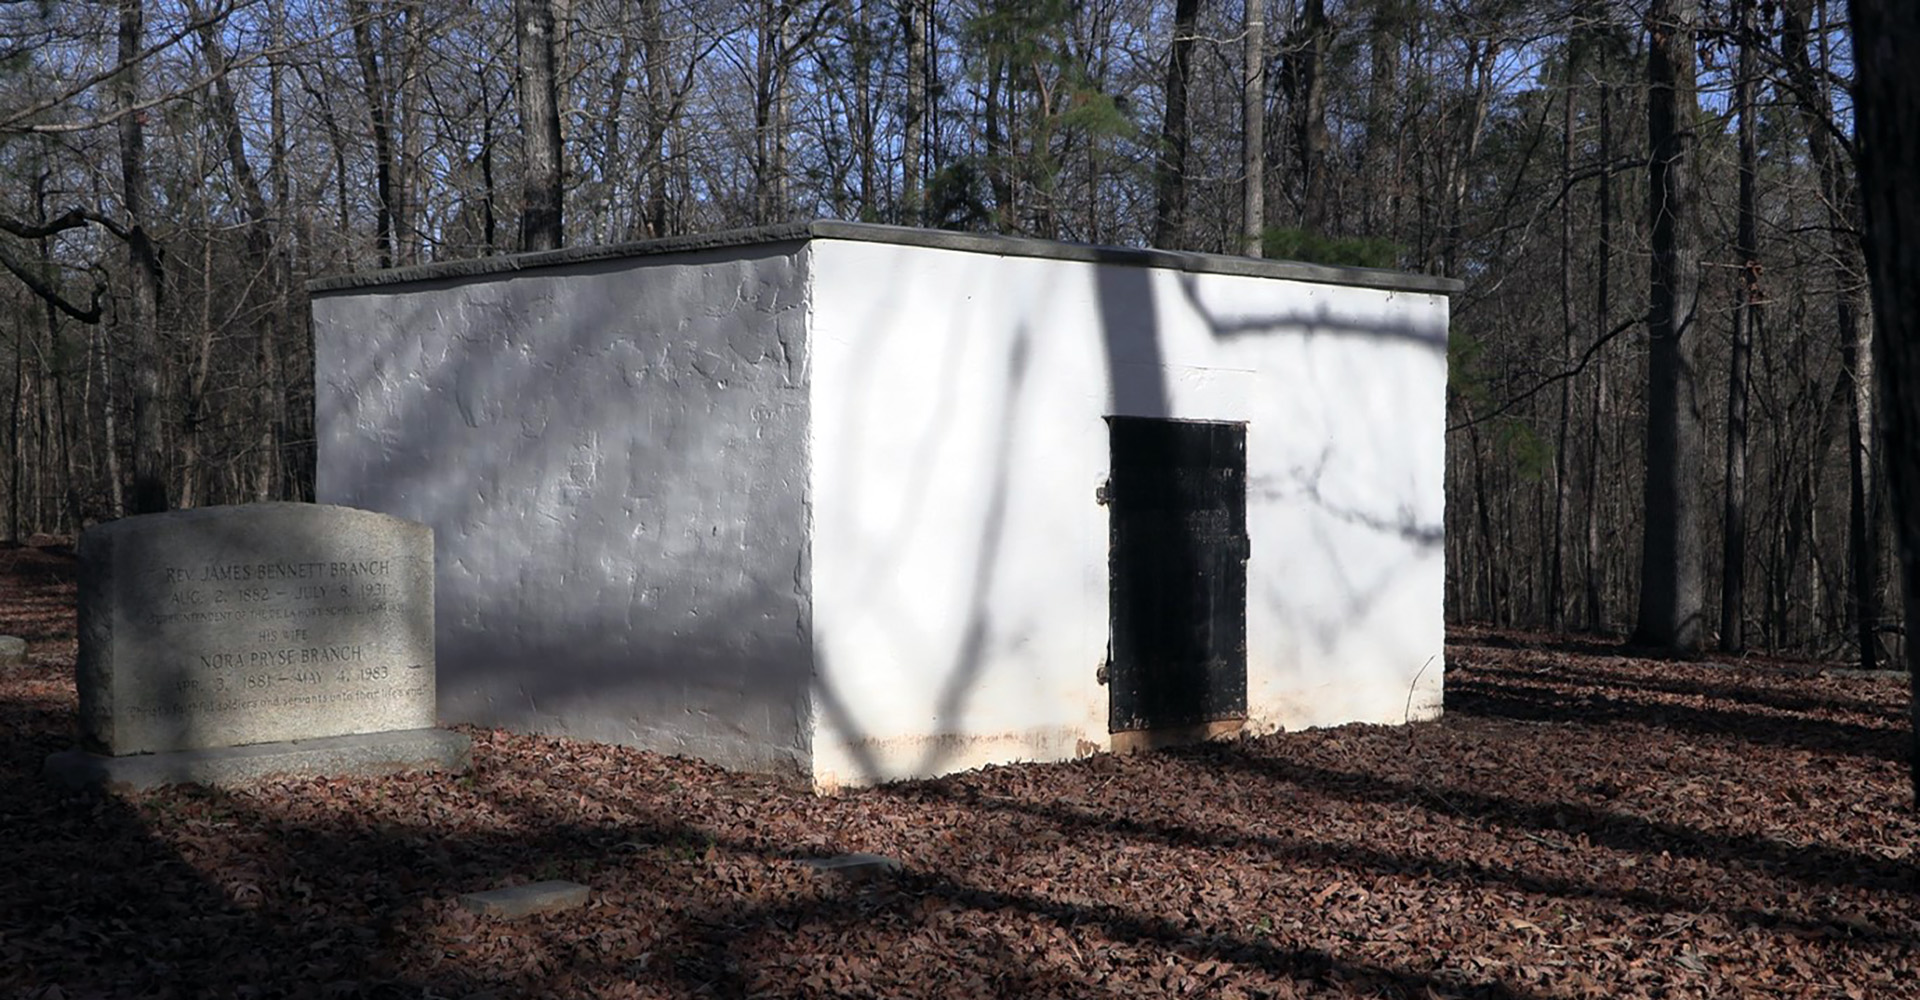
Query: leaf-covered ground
[[1580, 825]]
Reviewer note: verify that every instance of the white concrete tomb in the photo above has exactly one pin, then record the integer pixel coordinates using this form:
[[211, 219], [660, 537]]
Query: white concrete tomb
[[859, 503]]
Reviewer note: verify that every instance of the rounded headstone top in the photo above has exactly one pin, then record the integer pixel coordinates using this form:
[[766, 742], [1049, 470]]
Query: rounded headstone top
[[307, 513]]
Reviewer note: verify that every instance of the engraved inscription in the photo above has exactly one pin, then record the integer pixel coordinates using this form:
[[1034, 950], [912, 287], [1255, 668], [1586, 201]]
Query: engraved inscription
[[257, 623], [278, 658], [250, 703]]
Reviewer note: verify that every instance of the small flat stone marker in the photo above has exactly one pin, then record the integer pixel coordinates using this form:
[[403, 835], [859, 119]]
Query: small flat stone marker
[[13, 651], [516, 901], [858, 867]]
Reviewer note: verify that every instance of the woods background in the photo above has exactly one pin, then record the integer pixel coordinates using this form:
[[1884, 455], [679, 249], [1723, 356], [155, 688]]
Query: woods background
[[171, 174]]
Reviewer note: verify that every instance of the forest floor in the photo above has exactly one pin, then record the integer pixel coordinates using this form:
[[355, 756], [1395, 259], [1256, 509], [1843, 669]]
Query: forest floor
[[1578, 825]]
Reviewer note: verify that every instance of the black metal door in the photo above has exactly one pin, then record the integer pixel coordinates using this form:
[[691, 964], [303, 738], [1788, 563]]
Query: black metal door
[[1177, 502]]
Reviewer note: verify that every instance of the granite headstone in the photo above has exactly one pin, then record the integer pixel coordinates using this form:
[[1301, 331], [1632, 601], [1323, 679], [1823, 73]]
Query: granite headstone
[[227, 627]]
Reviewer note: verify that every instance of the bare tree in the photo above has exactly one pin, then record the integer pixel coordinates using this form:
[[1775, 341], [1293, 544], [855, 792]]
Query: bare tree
[[1672, 595]]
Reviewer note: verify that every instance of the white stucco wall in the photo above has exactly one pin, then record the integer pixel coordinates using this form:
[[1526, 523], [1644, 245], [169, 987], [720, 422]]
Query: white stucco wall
[[957, 437], [613, 456]]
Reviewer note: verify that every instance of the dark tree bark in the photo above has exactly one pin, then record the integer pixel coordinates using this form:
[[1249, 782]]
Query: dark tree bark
[[147, 491], [1672, 592], [540, 213], [1170, 173], [1746, 320], [1886, 108]]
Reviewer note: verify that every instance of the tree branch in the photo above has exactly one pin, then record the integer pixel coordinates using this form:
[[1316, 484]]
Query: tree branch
[[40, 287], [74, 219], [1554, 379]]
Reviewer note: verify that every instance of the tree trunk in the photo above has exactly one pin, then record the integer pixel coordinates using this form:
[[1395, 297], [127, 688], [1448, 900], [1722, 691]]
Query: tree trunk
[[653, 48], [1886, 104], [865, 127], [1672, 595], [1310, 137], [1170, 173], [1380, 210], [1746, 320], [409, 178], [999, 172], [540, 221], [147, 492], [1253, 139], [1464, 151], [1557, 545], [912, 141], [375, 90], [1596, 580], [17, 452]]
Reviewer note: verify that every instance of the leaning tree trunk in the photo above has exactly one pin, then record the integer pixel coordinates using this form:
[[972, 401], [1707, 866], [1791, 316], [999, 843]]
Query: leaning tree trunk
[[1672, 592], [1886, 105]]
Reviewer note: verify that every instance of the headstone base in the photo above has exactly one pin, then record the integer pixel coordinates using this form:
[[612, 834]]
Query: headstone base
[[236, 767]]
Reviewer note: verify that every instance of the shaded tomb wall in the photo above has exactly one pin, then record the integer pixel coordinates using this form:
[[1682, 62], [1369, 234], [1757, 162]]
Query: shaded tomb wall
[[613, 456]]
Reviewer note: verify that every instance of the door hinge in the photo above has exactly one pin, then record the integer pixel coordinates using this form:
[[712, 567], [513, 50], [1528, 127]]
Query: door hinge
[[1103, 494], [1101, 673]]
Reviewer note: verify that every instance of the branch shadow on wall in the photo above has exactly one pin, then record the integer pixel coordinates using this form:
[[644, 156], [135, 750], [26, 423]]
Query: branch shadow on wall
[[729, 665], [1132, 343]]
